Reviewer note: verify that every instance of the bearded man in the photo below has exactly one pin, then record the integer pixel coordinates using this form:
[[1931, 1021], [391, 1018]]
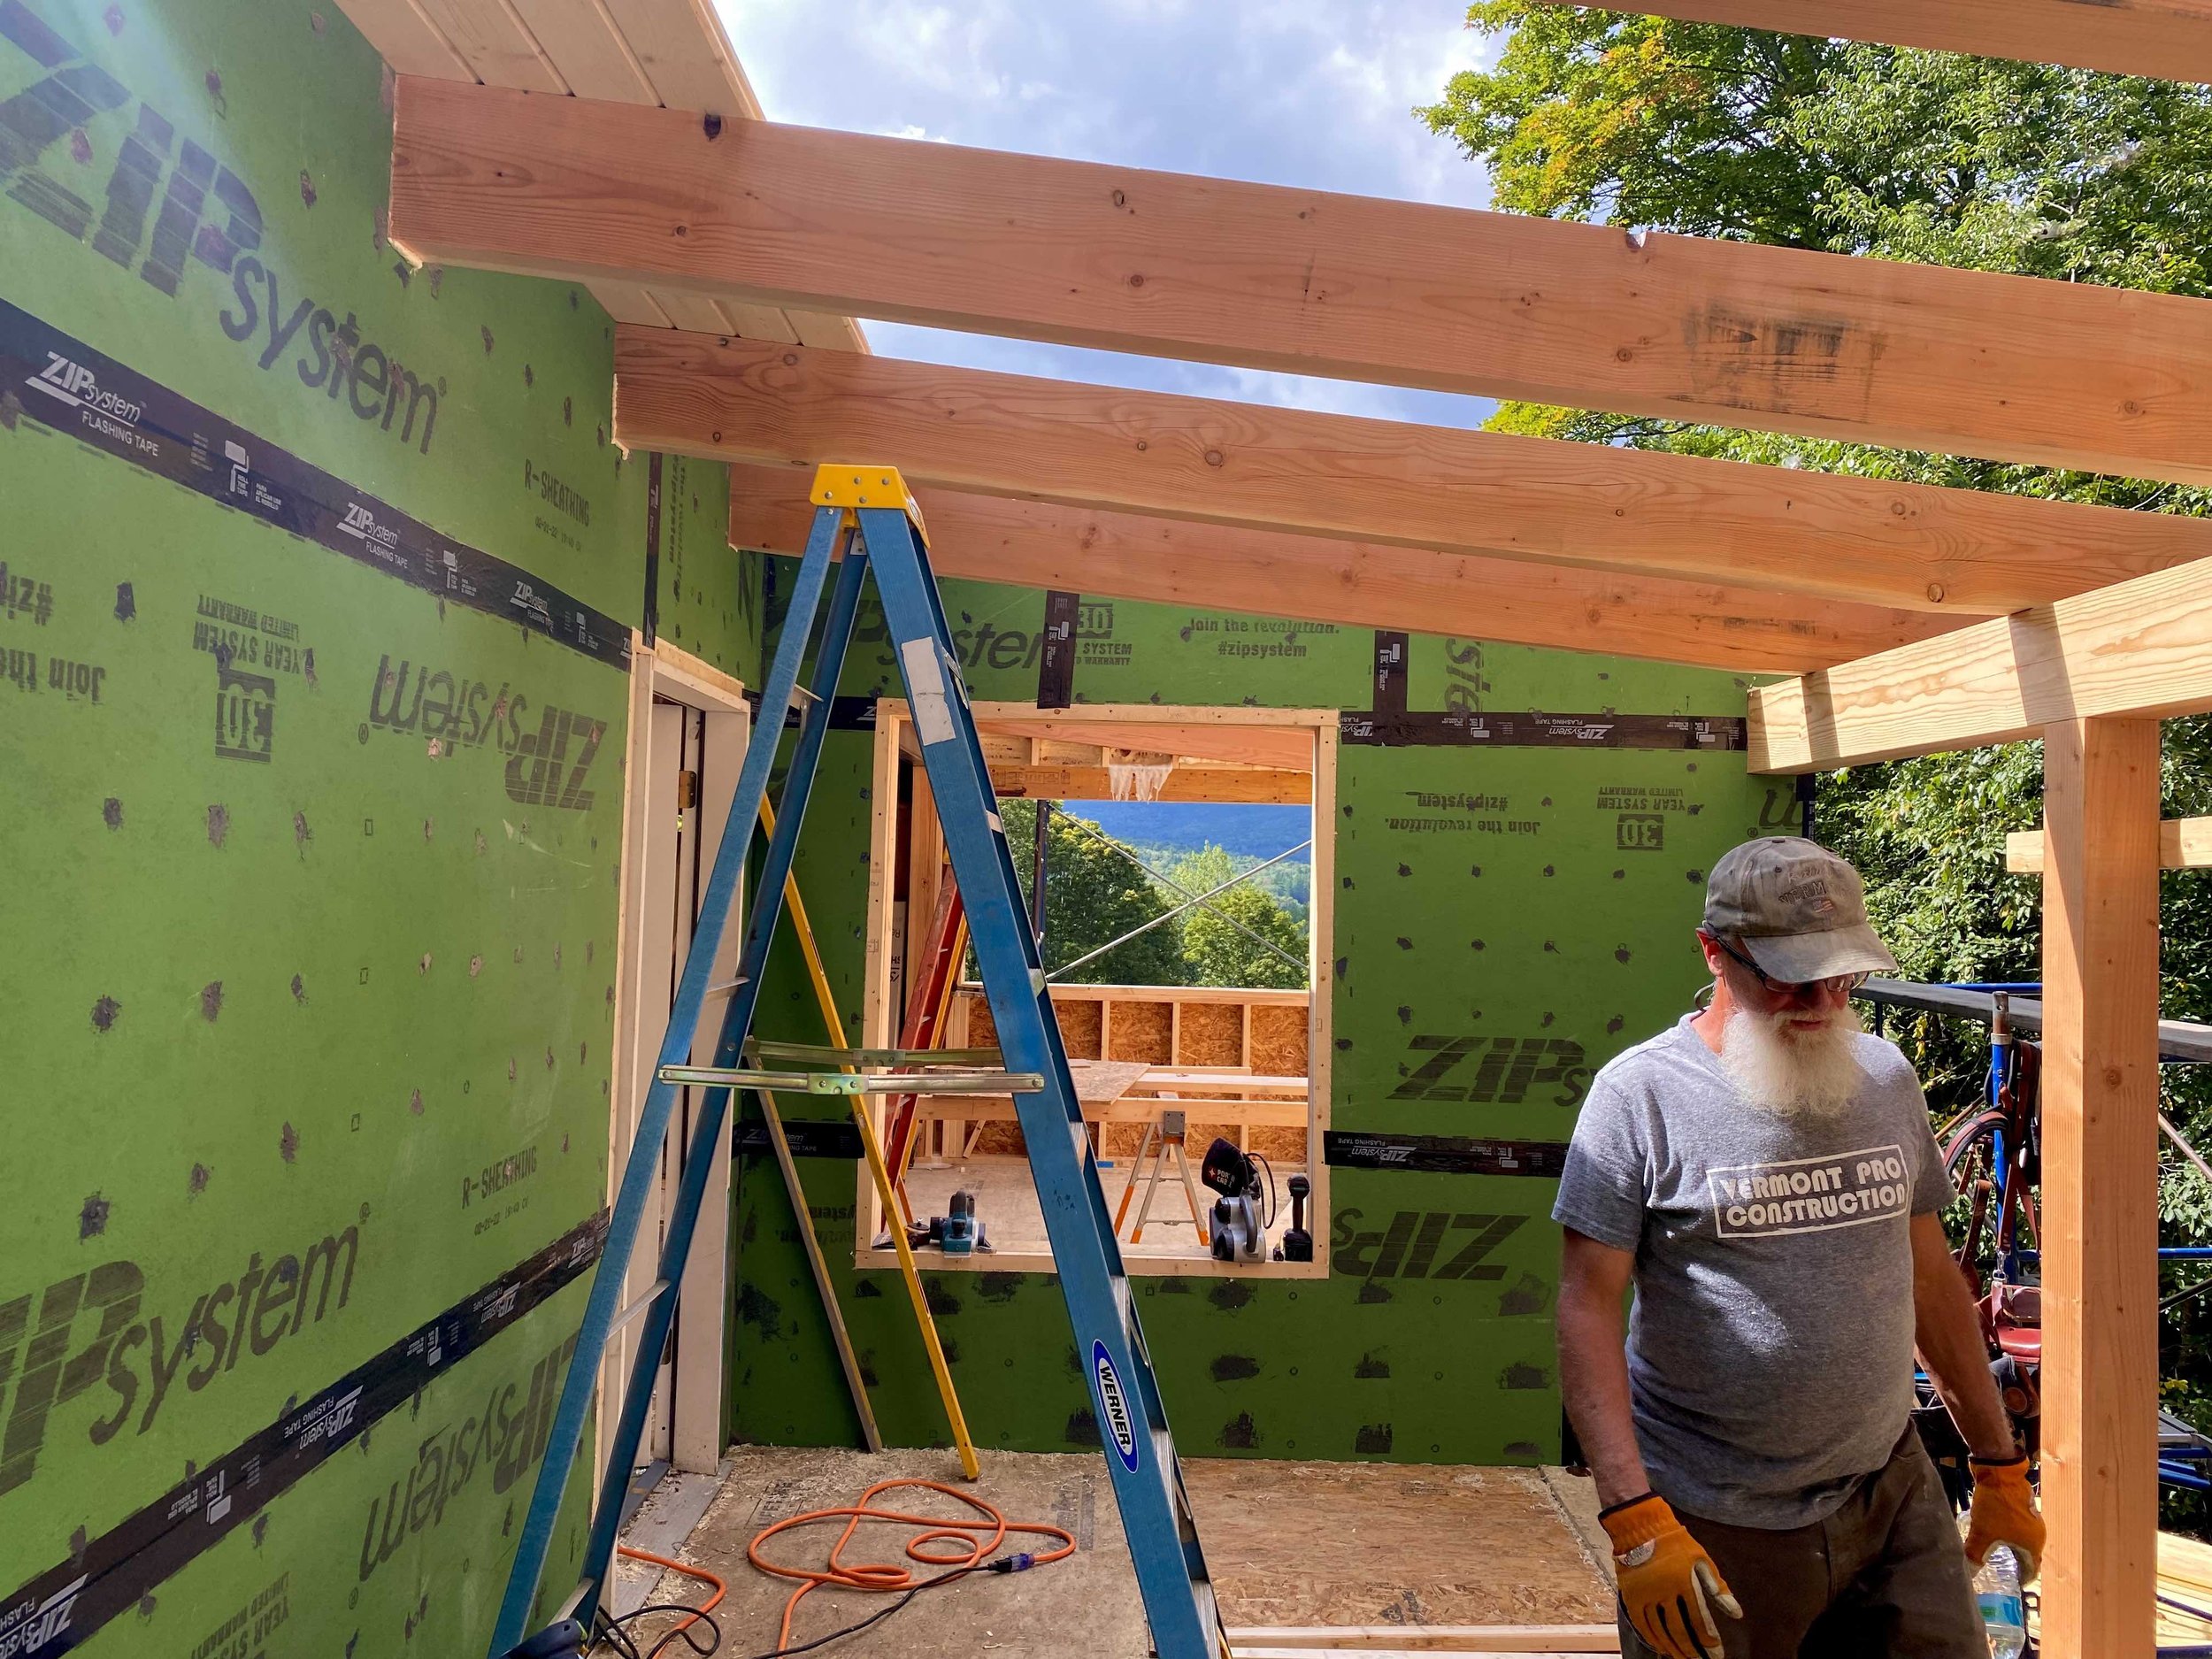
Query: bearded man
[[1764, 1176]]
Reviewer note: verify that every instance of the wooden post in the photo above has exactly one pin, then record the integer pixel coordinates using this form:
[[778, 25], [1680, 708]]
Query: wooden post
[[2100, 1188]]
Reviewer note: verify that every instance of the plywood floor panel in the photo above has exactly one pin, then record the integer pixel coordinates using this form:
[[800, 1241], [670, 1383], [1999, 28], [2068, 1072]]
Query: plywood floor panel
[[1298, 1544], [1386, 1544]]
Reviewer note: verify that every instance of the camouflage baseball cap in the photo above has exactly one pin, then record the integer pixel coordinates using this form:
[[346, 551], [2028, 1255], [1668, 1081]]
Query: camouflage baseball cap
[[1798, 910]]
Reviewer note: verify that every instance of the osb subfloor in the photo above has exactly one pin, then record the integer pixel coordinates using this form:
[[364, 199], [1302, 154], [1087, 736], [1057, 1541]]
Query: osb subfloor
[[1006, 1199], [1287, 1544]]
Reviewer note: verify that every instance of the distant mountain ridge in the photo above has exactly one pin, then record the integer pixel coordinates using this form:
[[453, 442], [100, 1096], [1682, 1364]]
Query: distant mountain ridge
[[1254, 832]]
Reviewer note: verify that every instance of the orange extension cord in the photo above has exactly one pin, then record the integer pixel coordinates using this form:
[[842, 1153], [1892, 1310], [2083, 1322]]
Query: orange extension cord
[[972, 1542]]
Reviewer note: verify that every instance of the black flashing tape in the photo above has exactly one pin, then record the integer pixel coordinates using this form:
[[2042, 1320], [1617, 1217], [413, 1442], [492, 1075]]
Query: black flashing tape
[[1394, 652], [1442, 1155], [846, 714], [62, 1607], [650, 626], [1538, 730], [64, 384], [1056, 658]]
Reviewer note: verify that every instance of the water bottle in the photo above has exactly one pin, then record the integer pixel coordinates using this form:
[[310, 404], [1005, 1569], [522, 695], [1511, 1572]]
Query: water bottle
[[1997, 1593]]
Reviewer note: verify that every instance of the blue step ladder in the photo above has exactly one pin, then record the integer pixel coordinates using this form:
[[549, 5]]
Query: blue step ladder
[[865, 518]]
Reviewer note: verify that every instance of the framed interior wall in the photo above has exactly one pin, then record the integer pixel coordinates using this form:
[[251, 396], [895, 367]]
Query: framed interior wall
[[894, 934]]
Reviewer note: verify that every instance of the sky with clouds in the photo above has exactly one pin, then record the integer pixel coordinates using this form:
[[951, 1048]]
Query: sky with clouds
[[1317, 93]]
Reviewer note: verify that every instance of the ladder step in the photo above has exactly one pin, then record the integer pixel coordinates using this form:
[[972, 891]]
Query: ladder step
[[727, 985], [855, 1082], [821, 1055], [659, 1289]]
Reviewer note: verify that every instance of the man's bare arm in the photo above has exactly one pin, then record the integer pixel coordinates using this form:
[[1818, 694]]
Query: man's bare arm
[[1594, 1365], [1948, 1330]]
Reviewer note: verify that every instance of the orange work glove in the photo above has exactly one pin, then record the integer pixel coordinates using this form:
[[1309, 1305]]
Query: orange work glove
[[1669, 1585], [2004, 1513]]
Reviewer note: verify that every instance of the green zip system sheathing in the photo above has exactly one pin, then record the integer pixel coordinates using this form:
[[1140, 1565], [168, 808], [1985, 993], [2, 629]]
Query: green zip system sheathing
[[312, 930]]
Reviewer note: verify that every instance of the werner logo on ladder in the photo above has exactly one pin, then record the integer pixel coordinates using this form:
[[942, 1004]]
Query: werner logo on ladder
[[867, 515]]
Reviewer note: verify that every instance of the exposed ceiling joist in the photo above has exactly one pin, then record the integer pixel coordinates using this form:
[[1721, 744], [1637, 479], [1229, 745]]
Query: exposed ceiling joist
[[1972, 363], [2168, 39], [1355, 584], [2141, 648], [1453, 491]]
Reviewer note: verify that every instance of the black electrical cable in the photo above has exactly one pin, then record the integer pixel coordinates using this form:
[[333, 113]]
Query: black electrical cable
[[683, 1633], [627, 1650], [612, 1633], [1261, 1159], [1005, 1563]]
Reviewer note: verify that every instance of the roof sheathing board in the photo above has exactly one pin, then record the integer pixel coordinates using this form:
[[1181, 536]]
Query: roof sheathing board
[[667, 52]]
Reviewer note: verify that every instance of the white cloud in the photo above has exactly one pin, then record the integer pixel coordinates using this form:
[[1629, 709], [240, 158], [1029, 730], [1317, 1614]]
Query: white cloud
[[1314, 93]]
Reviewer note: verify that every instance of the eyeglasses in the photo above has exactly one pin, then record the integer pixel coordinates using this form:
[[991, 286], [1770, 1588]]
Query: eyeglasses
[[1846, 983]]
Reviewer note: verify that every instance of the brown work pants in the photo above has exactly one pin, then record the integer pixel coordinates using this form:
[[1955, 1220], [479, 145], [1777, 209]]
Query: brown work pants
[[1883, 1577]]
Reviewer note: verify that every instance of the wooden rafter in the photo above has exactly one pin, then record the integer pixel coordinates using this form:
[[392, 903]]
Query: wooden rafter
[[1359, 584], [1967, 362], [2139, 648], [1268, 468], [2183, 843], [2169, 39]]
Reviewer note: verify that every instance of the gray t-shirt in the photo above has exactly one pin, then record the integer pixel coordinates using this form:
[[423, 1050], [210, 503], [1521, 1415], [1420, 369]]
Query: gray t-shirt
[[1770, 1348]]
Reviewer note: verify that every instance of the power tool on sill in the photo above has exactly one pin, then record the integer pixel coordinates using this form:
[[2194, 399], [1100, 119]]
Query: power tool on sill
[[958, 1234], [1239, 1229]]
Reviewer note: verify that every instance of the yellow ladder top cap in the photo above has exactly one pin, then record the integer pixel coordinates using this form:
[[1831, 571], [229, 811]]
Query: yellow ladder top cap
[[839, 484]]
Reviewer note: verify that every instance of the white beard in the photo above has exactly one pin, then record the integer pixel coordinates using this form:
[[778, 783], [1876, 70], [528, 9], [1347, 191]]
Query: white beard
[[1790, 1072]]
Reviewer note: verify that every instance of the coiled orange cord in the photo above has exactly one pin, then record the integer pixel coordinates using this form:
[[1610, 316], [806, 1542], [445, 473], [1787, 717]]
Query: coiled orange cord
[[972, 1541]]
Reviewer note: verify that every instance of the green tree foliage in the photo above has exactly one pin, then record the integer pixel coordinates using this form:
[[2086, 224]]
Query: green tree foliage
[[1217, 950], [1712, 130], [1887, 153], [1093, 896]]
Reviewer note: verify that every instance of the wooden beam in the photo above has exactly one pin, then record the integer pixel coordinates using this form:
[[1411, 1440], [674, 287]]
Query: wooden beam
[[2170, 40], [2183, 843], [1268, 468], [2099, 1217], [1358, 584], [1874, 350], [1244, 784], [2141, 647]]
